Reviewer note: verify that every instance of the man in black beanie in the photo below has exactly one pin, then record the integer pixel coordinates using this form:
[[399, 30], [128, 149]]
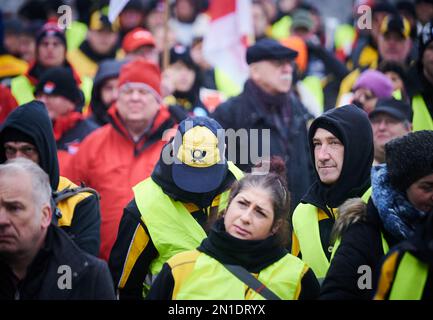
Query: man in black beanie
[[63, 99]]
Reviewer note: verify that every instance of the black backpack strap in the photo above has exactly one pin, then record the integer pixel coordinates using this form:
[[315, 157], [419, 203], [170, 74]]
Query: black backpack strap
[[247, 278], [70, 192]]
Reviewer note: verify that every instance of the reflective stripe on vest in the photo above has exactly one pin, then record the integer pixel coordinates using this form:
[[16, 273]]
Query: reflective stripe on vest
[[171, 226], [306, 227], [22, 89], [210, 280], [410, 279], [422, 119]]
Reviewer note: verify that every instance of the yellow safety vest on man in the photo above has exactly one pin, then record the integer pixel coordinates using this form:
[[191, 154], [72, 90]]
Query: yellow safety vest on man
[[169, 223], [198, 276], [306, 228]]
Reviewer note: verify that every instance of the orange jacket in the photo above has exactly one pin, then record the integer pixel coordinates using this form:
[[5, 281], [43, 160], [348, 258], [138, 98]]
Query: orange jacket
[[109, 161]]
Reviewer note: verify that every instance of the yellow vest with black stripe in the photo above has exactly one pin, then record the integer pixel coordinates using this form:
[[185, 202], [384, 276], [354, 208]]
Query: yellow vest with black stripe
[[198, 276], [23, 90], [422, 119], [410, 278], [306, 227], [169, 223], [67, 206]]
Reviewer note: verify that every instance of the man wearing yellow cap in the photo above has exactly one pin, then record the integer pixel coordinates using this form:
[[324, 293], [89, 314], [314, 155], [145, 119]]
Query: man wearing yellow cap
[[100, 44]]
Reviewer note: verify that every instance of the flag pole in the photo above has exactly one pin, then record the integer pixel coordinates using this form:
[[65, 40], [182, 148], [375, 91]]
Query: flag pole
[[165, 52]]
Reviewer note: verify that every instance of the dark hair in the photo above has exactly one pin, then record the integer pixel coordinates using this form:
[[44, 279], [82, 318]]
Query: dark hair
[[275, 182]]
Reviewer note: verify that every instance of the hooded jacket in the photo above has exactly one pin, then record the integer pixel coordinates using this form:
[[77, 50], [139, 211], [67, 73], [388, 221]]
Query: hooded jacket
[[110, 161], [99, 111], [133, 231], [352, 126], [81, 217]]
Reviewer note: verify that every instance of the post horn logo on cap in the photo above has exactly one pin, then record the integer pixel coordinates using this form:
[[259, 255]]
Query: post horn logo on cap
[[199, 148]]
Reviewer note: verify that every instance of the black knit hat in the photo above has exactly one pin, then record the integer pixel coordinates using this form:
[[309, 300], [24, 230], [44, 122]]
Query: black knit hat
[[53, 30], [60, 81], [409, 158]]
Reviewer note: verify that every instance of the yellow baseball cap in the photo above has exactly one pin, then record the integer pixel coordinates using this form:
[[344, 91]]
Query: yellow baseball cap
[[200, 165]]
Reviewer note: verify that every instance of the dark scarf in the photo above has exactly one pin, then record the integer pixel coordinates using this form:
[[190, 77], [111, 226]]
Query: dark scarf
[[397, 214], [96, 57], [253, 255], [278, 106]]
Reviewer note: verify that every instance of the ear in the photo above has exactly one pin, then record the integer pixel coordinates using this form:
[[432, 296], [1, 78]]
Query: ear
[[277, 226], [46, 216]]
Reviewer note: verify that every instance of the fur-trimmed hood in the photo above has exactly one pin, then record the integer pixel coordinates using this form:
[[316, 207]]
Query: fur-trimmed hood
[[351, 211]]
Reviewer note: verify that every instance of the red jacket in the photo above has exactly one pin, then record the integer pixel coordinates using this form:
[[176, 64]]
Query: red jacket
[[109, 161], [7, 103]]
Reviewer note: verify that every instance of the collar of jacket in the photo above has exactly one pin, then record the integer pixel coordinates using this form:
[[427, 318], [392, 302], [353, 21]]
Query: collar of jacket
[[35, 71], [65, 123], [87, 50], [160, 123], [253, 255], [57, 248]]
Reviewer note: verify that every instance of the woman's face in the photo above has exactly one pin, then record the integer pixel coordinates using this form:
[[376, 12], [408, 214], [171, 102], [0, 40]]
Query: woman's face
[[420, 194], [250, 215]]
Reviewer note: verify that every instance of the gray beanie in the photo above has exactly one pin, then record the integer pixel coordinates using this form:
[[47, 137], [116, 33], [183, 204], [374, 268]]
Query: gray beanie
[[409, 158]]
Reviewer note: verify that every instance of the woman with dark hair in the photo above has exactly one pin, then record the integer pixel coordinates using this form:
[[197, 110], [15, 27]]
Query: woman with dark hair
[[247, 242]]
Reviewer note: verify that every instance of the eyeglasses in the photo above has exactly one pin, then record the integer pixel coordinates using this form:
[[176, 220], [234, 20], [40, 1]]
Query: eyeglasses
[[28, 151]]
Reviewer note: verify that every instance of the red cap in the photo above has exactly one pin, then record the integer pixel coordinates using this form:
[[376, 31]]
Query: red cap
[[136, 38], [143, 71]]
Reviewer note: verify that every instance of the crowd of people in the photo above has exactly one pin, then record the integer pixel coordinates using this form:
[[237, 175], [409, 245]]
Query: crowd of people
[[132, 168]]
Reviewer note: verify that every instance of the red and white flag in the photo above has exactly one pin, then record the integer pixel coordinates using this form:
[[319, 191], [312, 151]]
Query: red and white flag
[[226, 39]]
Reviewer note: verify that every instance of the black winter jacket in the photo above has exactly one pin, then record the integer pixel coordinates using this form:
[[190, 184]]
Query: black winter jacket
[[360, 249], [90, 277]]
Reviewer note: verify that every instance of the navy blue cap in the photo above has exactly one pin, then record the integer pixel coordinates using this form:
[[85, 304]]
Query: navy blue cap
[[395, 108], [269, 49], [199, 162]]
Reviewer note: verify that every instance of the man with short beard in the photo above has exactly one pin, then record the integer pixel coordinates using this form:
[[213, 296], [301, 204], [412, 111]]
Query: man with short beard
[[422, 95], [267, 102]]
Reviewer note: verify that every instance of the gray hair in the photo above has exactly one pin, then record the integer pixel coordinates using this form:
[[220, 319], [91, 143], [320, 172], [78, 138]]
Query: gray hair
[[40, 181]]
